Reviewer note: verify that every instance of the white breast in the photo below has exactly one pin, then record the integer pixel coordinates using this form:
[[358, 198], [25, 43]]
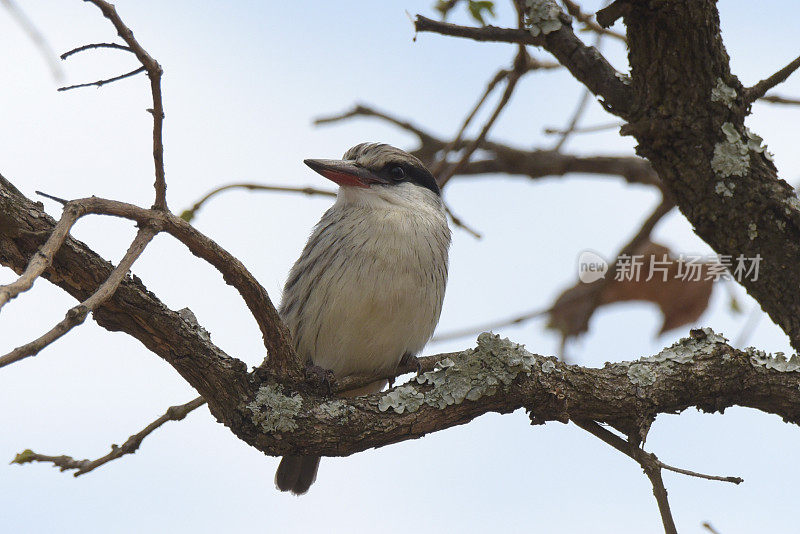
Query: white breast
[[369, 285]]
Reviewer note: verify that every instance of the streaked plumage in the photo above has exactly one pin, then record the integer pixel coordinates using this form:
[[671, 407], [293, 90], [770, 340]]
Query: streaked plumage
[[369, 285]]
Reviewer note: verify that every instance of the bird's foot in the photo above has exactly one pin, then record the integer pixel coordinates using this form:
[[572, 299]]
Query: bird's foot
[[320, 378], [408, 360]]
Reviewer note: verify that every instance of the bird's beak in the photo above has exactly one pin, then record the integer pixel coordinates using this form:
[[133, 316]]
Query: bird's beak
[[345, 172]]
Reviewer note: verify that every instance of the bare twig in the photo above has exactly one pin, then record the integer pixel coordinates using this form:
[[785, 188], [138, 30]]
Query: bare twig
[[585, 63], [511, 83], [282, 358], [584, 101], [585, 129], [78, 314], [100, 83], [42, 259], [775, 99], [648, 463], [706, 525], [93, 46], [732, 480], [530, 64], [131, 445], [751, 94], [188, 215], [36, 36], [360, 110], [154, 72], [459, 223], [442, 161]]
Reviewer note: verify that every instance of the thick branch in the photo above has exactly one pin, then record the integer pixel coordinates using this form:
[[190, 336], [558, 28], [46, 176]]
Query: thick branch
[[718, 173], [282, 359], [702, 371], [78, 314], [24, 228]]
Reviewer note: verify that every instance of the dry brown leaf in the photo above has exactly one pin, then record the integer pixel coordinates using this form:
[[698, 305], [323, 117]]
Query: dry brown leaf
[[681, 301]]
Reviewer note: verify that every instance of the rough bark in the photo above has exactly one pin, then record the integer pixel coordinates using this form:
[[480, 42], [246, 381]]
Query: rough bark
[[678, 123]]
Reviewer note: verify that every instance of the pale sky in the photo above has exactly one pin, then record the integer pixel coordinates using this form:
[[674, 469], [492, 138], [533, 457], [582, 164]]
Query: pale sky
[[243, 82]]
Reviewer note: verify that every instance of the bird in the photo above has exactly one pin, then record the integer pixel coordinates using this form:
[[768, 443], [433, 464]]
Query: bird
[[368, 287]]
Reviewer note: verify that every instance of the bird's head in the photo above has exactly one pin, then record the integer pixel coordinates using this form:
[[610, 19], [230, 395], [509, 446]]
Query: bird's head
[[378, 170]]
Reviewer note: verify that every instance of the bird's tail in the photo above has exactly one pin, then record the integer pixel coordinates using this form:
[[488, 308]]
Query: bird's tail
[[296, 473]]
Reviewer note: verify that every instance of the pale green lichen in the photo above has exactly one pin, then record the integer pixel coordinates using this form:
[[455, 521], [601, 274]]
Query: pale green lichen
[[703, 342], [624, 78], [752, 231], [731, 157], [335, 409], [793, 205], [754, 143], [273, 411], [494, 363], [724, 94], [542, 16], [724, 189], [548, 367], [188, 316], [404, 398], [776, 362], [685, 350], [641, 375]]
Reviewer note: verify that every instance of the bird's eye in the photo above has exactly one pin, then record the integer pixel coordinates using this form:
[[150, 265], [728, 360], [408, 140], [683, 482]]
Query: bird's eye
[[397, 172]]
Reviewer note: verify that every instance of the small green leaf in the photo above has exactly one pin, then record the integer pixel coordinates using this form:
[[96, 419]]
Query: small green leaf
[[478, 7], [187, 215]]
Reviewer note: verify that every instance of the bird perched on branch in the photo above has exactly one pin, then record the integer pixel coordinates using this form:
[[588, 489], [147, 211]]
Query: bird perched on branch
[[367, 290]]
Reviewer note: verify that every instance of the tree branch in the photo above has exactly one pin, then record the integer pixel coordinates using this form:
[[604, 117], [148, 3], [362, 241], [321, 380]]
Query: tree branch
[[189, 214], [154, 72], [94, 46], [282, 359], [647, 461], [131, 445], [752, 94], [775, 99], [511, 82], [132, 309], [532, 163], [584, 62], [100, 83], [78, 314], [42, 259]]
